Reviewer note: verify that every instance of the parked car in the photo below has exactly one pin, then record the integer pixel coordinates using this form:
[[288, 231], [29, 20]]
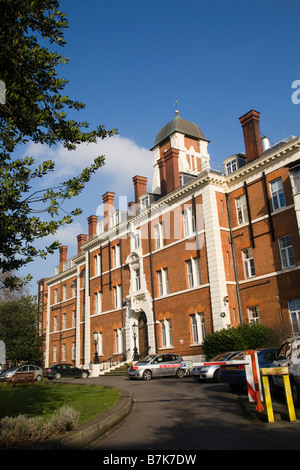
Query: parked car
[[157, 365], [65, 371], [211, 372], [288, 355], [38, 376], [235, 375]]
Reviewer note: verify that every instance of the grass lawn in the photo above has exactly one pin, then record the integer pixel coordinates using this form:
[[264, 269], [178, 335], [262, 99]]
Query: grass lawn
[[44, 398]]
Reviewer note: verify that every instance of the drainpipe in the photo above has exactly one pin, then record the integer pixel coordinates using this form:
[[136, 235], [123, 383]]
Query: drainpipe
[[234, 260]]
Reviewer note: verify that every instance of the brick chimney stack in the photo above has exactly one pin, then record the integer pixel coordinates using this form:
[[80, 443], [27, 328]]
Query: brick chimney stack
[[63, 256], [169, 171], [108, 207], [140, 187], [252, 137], [92, 223], [81, 239]]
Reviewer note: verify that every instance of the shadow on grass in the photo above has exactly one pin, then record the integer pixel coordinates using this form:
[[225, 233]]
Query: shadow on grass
[[45, 398]]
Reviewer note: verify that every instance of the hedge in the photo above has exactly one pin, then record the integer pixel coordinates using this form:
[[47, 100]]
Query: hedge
[[240, 338]]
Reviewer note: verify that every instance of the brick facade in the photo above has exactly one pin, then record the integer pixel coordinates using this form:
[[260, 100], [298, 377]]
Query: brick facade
[[205, 249]]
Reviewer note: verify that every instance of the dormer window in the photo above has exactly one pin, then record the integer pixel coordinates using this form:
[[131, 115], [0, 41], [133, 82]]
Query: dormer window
[[231, 166], [100, 227], [144, 201], [234, 162], [115, 219]]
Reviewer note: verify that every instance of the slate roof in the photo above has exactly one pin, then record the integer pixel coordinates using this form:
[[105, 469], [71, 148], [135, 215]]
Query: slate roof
[[177, 124]]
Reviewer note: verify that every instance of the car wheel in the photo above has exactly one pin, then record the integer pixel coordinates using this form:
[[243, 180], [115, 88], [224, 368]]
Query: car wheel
[[180, 373], [57, 376], [216, 376], [147, 375], [39, 378], [84, 375], [295, 393]]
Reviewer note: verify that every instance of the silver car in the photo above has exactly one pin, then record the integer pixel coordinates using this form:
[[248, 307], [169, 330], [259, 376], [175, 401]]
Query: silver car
[[157, 365], [211, 372], [38, 376]]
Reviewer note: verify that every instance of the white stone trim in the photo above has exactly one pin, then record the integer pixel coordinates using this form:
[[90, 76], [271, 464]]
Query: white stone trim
[[215, 262]]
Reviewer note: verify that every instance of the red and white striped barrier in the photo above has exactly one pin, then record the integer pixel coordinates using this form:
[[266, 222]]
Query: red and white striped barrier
[[253, 379], [252, 376]]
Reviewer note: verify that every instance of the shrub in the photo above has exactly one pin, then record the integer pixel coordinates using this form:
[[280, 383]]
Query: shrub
[[22, 431], [243, 337]]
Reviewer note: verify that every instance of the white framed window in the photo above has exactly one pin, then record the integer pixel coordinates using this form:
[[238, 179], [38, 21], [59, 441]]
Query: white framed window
[[286, 251], [64, 352], [193, 272], [115, 218], [55, 323], [137, 278], [74, 318], [144, 201], [73, 351], [117, 296], [135, 240], [73, 287], [296, 180], [241, 210], [100, 227], [116, 256], [55, 296], [189, 226], [248, 262], [54, 353], [166, 333], [99, 345], [158, 234], [198, 328], [231, 166], [97, 264], [294, 309], [98, 302], [253, 314], [163, 282], [277, 194], [64, 321], [64, 292], [118, 340]]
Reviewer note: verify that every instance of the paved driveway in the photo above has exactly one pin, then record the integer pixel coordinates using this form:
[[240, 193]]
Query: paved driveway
[[182, 414]]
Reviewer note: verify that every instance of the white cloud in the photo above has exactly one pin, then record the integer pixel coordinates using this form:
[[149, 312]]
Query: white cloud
[[67, 235], [123, 160]]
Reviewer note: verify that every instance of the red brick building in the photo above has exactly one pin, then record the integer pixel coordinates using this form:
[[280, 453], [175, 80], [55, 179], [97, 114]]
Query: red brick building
[[199, 250]]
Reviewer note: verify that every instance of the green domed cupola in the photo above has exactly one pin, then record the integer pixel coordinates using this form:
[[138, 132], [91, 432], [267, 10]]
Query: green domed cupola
[[177, 124]]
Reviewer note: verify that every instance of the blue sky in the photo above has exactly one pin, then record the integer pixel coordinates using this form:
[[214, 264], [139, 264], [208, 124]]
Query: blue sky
[[129, 62]]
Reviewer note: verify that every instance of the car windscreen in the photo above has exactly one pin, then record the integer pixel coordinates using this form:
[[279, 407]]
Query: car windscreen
[[147, 359], [220, 357]]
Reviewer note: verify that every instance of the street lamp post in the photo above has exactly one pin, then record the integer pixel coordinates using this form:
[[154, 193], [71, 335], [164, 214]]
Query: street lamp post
[[96, 359], [135, 353]]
